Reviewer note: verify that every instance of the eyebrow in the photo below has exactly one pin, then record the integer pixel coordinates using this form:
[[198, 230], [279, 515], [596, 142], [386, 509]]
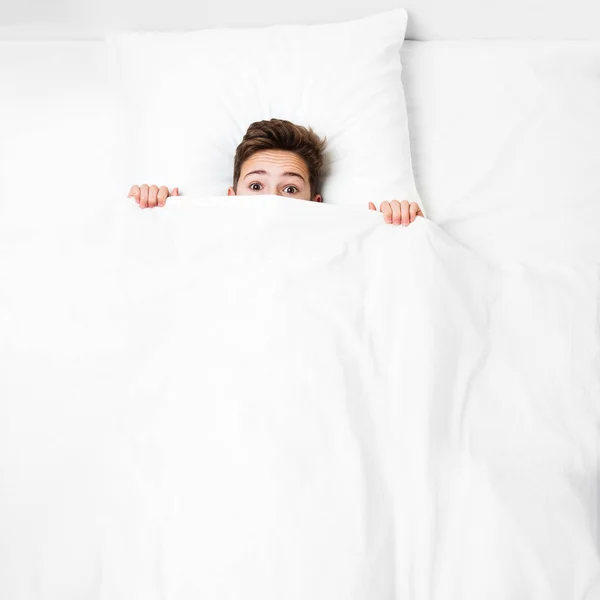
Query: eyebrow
[[263, 172]]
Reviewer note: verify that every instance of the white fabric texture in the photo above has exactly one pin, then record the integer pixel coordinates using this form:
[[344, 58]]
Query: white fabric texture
[[57, 131], [500, 128], [407, 413], [272, 398], [186, 100]]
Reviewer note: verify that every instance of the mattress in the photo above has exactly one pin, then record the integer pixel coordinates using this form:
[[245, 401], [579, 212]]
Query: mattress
[[290, 400]]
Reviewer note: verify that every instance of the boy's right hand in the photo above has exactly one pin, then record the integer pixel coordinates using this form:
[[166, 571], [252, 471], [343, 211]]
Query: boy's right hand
[[150, 196]]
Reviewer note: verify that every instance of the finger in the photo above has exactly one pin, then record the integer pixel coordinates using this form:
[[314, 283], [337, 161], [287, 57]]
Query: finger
[[372, 206], [405, 213], [414, 207], [144, 195], [163, 193], [397, 216], [420, 212], [134, 193], [152, 196], [386, 209], [175, 192]]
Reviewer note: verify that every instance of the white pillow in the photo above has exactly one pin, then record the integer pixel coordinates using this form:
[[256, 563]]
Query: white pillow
[[187, 98]]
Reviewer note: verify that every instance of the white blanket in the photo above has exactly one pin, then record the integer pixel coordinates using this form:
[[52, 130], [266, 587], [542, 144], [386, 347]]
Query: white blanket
[[271, 399]]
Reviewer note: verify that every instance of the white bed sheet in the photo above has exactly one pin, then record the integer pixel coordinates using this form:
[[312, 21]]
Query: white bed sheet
[[454, 457], [283, 399]]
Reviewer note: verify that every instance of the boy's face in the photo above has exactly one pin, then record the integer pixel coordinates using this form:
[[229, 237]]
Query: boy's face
[[277, 172]]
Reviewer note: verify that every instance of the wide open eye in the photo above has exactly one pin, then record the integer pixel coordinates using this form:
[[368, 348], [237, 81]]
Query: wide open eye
[[293, 189], [255, 186]]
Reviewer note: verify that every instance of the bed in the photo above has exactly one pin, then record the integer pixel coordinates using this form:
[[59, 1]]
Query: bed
[[290, 400]]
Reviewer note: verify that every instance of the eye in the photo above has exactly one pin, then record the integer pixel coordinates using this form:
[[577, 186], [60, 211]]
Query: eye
[[257, 188], [290, 187]]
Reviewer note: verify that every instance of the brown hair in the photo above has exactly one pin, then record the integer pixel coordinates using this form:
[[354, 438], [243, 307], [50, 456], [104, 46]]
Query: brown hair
[[278, 134]]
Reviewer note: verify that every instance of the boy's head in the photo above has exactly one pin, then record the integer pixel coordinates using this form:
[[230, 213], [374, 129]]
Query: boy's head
[[278, 157]]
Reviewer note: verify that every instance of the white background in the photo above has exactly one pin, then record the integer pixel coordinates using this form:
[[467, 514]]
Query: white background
[[428, 19]]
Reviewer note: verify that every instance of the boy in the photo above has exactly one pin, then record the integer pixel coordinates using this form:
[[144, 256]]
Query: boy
[[281, 158]]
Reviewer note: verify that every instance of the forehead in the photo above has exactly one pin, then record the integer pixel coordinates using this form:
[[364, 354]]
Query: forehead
[[274, 161]]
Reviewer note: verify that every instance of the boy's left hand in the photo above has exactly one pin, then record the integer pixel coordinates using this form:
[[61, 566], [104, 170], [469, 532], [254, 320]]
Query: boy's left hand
[[399, 213]]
